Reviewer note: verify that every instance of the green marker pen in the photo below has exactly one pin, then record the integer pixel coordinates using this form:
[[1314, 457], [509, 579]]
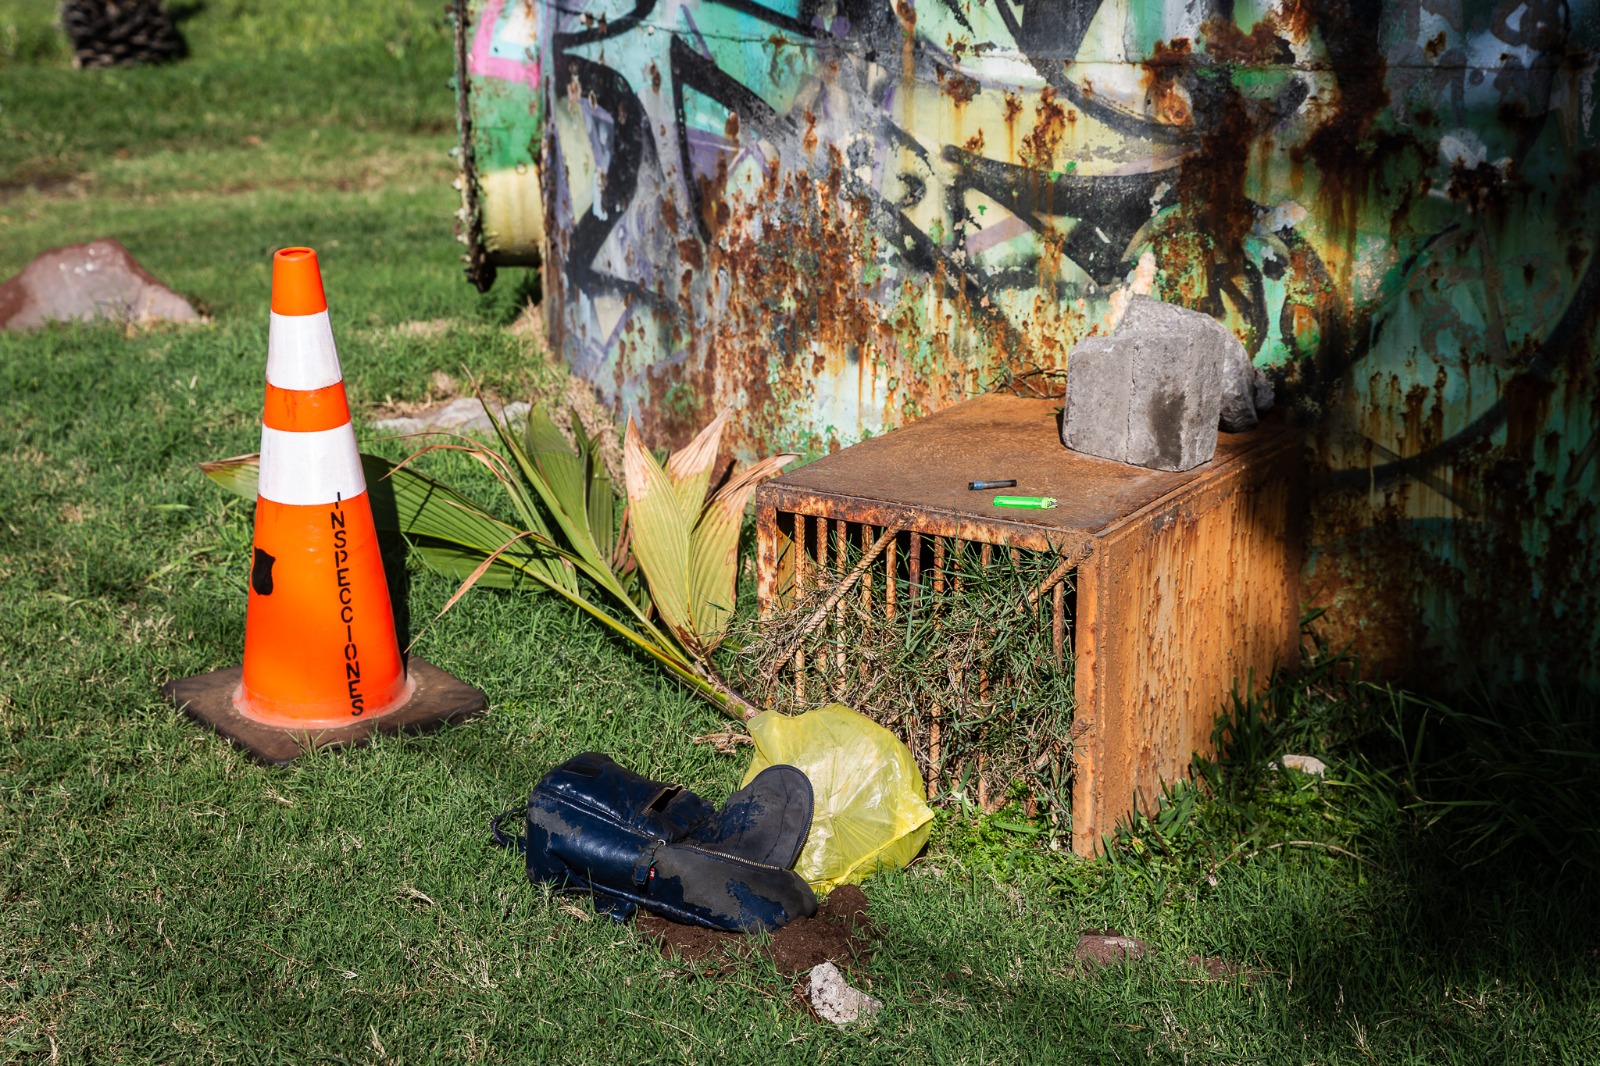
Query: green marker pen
[[1042, 503]]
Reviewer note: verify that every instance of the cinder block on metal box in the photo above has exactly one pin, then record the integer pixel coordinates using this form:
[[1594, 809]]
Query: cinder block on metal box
[[1149, 396], [1238, 376]]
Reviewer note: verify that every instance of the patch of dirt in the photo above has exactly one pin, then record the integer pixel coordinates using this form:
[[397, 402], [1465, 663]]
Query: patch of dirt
[[840, 932], [51, 186], [442, 388], [1216, 967], [1099, 949]]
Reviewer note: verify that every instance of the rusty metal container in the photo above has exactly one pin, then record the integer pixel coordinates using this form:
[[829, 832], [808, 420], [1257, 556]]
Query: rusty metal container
[[1186, 583], [839, 217]]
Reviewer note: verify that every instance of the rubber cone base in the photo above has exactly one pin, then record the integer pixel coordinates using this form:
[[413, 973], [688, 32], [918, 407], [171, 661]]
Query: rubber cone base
[[439, 698]]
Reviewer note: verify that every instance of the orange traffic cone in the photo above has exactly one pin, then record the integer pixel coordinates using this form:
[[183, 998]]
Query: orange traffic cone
[[322, 663], [319, 643]]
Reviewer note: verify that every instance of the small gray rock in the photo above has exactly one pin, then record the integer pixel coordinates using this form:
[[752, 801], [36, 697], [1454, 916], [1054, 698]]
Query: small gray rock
[[1305, 764], [1265, 395], [1238, 389], [83, 282], [464, 414], [835, 1000]]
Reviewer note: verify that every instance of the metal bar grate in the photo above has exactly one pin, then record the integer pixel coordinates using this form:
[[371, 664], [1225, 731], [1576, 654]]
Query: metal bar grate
[[848, 572]]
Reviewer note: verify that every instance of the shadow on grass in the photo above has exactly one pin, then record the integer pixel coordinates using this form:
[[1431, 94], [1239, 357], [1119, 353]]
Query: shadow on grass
[[1442, 876]]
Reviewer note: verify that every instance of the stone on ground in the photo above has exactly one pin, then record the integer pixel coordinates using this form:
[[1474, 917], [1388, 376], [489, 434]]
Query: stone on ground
[[1305, 764], [1108, 948], [464, 414], [835, 1000], [83, 282]]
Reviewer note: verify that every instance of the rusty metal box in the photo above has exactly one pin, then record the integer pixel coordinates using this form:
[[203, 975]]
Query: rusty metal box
[[1186, 584]]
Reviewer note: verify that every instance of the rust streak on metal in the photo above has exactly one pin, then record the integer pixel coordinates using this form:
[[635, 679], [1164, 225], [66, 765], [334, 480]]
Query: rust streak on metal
[[1058, 627], [841, 530], [867, 539], [1164, 99], [802, 585], [891, 578]]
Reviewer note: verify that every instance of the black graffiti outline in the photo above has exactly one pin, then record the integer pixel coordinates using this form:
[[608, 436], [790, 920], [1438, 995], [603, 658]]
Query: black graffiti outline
[[634, 145], [1029, 195], [630, 147], [689, 69], [701, 74]]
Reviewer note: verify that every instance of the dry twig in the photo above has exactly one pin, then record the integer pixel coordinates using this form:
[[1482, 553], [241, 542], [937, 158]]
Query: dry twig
[[725, 742]]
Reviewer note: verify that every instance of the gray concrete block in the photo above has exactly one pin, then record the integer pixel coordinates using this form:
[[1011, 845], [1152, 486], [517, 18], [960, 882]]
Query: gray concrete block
[[1239, 384], [1150, 394], [1146, 314], [1094, 419], [1175, 401]]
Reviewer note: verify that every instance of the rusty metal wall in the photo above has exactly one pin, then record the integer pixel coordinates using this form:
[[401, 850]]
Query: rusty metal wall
[[836, 216]]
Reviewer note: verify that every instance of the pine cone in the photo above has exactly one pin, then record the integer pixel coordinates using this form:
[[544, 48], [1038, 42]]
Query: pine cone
[[106, 33]]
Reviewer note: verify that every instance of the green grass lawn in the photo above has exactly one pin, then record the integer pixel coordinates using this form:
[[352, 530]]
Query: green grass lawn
[[162, 898]]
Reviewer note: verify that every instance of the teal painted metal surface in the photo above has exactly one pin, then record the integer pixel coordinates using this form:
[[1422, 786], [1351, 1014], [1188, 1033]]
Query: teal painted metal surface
[[838, 216], [501, 113]]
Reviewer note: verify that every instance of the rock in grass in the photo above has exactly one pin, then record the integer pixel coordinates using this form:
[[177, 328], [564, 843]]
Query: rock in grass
[[1105, 949], [835, 1000], [84, 282], [464, 414], [1305, 764]]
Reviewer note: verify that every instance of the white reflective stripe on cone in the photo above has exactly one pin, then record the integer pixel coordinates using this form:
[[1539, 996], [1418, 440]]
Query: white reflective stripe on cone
[[300, 352], [308, 469]]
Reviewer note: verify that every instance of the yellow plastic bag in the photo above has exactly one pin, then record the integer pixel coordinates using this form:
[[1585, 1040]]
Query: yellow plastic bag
[[869, 811]]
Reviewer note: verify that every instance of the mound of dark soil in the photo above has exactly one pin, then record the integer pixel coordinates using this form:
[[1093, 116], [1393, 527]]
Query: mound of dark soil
[[840, 932]]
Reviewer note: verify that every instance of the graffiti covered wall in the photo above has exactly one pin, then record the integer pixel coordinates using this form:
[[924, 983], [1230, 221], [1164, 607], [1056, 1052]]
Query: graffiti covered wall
[[836, 216]]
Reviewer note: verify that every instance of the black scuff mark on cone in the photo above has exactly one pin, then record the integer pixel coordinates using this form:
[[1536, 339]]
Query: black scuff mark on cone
[[261, 573]]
